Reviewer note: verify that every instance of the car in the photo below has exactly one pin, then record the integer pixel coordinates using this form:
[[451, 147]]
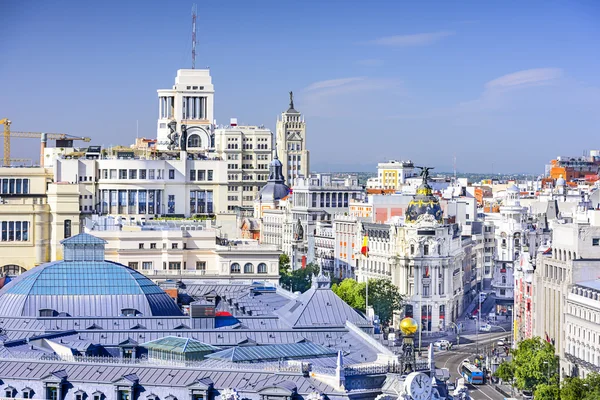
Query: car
[[485, 328], [501, 343], [442, 344], [527, 395]]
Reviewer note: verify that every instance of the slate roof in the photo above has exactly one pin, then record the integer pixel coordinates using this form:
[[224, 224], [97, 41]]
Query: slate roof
[[319, 308], [84, 288], [149, 377]]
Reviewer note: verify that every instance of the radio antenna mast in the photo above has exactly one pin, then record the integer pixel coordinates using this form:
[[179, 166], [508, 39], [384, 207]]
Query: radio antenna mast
[[194, 8]]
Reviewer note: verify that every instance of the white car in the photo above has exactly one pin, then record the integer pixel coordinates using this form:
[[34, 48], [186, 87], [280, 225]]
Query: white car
[[501, 343], [485, 328], [441, 344]]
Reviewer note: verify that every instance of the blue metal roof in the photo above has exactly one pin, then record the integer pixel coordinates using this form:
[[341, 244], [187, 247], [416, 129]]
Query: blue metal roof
[[273, 352], [84, 288]]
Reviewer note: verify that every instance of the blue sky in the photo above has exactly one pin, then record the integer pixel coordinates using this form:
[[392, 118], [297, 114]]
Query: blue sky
[[506, 85]]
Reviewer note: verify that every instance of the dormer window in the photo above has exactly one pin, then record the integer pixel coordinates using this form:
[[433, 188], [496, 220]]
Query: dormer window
[[129, 312], [47, 312]]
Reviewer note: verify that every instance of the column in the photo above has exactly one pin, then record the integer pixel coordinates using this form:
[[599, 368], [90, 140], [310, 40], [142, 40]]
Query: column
[[159, 107], [203, 107]]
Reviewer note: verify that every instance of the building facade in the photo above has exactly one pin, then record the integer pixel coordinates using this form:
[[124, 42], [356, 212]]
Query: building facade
[[35, 215], [574, 257], [582, 335], [291, 144], [194, 250], [393, 174]]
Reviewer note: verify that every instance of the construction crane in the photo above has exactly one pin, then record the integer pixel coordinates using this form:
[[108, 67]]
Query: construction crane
[[35, 135]]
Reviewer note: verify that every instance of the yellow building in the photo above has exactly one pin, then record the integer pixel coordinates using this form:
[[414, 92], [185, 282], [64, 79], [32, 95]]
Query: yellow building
[[35, 215], [393, 174]]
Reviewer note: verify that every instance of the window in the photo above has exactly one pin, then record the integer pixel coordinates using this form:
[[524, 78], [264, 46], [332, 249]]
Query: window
[[129, 312], [426, 250], [133, 174], [142, 174], [210, 174], [235, 268], [201, 175], [150, 174], [175, 265], [122, 174], [153, 245], [262, 268], [147, 265], [174, 245], [596, 242], [67, 229], [133, 265], [201, 265], [248, 268], [192, 174], [412, 249], [171, 174], [47, 312], [140, 246]]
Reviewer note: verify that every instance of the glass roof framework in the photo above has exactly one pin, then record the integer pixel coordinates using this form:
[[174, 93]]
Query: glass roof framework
[[273, 352], [179, 345]]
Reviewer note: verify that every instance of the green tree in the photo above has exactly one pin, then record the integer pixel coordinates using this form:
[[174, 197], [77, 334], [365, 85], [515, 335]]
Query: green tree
[[576, 388], [547, 392], [505, 371], [533, 363], [384, 297], [352, 292], [301, 279], [285, 278]]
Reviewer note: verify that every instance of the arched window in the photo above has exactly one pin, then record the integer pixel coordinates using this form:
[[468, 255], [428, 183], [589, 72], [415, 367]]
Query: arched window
[[248, 268], [194, 141], [412, 249], [235, 268], [12, 270], [262, 268]]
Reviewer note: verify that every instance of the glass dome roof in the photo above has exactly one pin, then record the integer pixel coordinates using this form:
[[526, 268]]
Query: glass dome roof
[[84, 288]]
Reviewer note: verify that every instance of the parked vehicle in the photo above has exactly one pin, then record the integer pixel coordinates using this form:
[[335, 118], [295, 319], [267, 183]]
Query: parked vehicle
[[442, 344], [485, 328]]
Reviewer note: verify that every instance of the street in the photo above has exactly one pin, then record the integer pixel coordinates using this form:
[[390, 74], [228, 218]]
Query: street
[[453, 359]]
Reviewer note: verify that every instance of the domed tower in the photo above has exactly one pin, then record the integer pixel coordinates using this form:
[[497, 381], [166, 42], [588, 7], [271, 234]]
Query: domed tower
[[275, 188], [424, 206]]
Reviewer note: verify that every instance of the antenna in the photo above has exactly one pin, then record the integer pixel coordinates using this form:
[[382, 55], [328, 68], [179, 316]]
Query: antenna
[[194, 8], [455, 169], [137, 128]]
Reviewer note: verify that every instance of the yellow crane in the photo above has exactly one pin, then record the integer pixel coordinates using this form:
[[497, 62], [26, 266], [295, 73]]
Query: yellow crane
[[36, 135]]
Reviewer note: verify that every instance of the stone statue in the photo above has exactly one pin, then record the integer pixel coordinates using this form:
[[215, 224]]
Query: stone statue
[[298, 231], [425, 173], [291, 99]]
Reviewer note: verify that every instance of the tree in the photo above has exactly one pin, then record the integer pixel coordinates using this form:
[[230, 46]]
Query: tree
[[533, 363], [575, 388], [352, 292], [505, 371], [547, 392], [285, 278], [384, 297], [301, 279]]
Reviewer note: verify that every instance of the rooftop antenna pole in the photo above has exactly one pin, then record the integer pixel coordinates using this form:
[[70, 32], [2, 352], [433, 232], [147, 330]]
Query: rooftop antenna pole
[[194, 8], [455, 169], [137, 128]]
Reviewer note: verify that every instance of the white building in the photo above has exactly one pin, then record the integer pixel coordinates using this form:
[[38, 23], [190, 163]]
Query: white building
[[575, 257], [291, 143], [185, 249], [426, 258], [247, 150], [582, 329], [324, 242], [393, 174], [189, 103]]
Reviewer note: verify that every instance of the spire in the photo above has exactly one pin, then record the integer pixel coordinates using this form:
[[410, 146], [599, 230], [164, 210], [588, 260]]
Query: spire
[[291, 100], [275, 156], [339, 371]]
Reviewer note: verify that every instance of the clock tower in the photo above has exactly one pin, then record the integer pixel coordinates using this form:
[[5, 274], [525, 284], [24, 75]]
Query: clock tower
[[291, 143]]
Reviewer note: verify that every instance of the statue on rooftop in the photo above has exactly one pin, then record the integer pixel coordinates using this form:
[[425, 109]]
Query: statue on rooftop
[[425, 173], [291, 99], [298, 231]]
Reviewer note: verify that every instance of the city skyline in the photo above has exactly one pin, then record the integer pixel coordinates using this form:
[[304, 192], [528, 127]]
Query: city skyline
[[460, 77]]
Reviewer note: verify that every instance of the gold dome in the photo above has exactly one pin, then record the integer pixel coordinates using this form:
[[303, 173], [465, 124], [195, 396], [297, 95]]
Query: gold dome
[[409, 326]]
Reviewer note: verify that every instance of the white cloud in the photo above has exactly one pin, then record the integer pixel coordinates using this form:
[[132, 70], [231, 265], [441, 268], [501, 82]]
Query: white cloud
[[371, 62], [332, 83], [525, 78], [417, 39]]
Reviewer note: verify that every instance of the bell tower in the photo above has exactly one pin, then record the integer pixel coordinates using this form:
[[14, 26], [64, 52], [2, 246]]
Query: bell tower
[[291, 142]]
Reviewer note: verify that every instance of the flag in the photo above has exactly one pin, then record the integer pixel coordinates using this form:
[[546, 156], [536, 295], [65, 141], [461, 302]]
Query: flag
[[365, 246]]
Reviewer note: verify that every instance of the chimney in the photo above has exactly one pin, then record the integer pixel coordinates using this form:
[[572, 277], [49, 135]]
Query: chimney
[[42, 148], [233, 122]]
